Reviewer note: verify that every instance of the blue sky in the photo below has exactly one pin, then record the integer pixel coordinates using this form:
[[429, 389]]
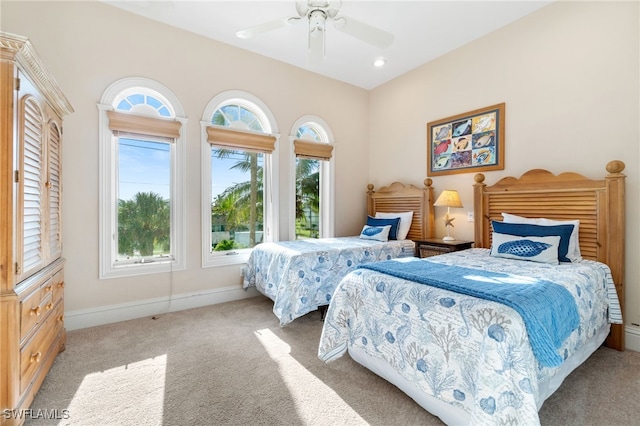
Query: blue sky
[[144, 167]]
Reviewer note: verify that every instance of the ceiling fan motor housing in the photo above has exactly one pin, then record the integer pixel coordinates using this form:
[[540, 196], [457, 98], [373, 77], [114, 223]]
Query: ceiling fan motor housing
[[317, 20]]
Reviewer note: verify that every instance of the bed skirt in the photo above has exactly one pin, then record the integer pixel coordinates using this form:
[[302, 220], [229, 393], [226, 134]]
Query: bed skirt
[[451, 415]]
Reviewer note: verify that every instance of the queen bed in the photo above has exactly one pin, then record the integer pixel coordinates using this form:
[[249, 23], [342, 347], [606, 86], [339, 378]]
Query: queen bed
[[461, 333], [300, 276]]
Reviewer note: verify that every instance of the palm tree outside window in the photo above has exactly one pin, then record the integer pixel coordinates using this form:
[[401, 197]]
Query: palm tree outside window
[[237, 213], [313, 184], [307, 189]]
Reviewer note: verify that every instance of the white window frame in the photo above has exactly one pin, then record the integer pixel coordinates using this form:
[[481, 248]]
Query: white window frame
[[327, 178], [108, 191], [270, 176]]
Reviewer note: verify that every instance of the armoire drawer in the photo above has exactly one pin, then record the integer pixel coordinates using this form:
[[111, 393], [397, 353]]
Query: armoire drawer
[[34, 308], [36, 304], [58, 286], [34, 353]]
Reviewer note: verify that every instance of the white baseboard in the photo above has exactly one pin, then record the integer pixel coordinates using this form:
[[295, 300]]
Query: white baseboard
[[85, 318], [632, 338]]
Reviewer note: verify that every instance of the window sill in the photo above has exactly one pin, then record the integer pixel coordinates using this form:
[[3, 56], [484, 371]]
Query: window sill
[[146, 268], [215, 260]]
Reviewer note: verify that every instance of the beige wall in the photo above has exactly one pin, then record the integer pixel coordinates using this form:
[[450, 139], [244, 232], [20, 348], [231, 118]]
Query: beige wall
[[89, 45], [568, 74]]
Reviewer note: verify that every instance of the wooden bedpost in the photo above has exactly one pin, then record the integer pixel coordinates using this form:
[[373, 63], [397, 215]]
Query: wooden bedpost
[[430, 219], [481, 240], [370, 208], [615, 241]]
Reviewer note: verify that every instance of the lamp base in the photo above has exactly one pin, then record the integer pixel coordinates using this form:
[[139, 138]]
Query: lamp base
[[448, 238]]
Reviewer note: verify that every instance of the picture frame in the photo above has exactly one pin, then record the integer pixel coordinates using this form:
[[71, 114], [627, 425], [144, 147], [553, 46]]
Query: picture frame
[[468, 142]]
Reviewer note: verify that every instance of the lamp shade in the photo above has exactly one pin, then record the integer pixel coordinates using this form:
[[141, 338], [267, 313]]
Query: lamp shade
[[448, 198]]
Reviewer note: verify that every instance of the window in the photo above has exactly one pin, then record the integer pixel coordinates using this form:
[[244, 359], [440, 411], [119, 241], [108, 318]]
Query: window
[[239, 205], [313, 185], [141, 179]]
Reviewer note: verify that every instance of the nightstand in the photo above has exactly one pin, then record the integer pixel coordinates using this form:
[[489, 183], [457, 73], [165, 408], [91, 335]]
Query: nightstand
[[435, 246]]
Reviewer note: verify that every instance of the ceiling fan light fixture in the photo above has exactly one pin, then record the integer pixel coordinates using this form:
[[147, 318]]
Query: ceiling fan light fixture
[[317, 46], [317, 21]]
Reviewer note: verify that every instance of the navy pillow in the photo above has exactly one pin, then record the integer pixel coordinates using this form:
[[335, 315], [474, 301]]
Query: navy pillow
[[530, 230], [395, 223]]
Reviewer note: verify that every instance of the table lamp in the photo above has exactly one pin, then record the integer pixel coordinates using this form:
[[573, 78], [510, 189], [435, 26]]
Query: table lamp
[[449, 198]]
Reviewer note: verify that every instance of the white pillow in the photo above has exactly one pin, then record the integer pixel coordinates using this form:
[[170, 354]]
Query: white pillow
[[378, 233], [573, 254], [534, 249], [405, 222]]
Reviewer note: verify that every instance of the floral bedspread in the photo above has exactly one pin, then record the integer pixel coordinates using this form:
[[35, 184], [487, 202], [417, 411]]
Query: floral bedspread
[[299, 276], [471, 353]]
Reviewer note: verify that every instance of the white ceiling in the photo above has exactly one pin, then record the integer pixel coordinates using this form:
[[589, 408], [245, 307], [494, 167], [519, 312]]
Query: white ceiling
[[423, 30]]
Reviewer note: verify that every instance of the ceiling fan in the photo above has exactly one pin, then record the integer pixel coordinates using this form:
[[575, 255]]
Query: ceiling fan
[[317, 13]]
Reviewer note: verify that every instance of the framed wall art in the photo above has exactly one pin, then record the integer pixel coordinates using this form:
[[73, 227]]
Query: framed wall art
[[465, 143]]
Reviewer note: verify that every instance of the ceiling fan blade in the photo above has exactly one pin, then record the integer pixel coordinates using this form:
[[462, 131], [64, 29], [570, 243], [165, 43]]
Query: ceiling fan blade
[[266, 27], [365, 32], [302, 8]]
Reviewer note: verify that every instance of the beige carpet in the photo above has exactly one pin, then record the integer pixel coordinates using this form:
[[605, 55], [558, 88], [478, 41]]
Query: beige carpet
[[232, 364]]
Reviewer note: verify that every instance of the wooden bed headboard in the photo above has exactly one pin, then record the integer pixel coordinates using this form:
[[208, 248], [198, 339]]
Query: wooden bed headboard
[[398, 198], [598, 204]]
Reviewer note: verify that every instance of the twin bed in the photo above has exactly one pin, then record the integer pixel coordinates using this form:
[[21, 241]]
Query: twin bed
[[300, 276], [458, 332], [494, 359]]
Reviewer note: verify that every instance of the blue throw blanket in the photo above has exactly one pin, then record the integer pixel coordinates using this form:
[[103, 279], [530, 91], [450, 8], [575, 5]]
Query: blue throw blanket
[[548, 310]]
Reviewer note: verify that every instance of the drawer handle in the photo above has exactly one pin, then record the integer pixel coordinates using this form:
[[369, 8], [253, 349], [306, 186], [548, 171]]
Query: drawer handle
[[35, 311], [60, 318], [49, 306], [35, 357], [49, 288], [61, 285]]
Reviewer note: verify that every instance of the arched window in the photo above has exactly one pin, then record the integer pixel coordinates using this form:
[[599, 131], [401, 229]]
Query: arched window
[[239, 206], [313, 186], [142, 137]]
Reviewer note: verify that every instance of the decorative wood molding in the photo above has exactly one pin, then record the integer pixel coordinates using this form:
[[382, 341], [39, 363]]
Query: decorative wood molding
[[18, 49]]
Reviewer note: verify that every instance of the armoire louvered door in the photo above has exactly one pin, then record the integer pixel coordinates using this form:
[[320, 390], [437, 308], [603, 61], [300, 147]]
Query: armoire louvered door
[[54, 189], [39, 183], [30, 187]]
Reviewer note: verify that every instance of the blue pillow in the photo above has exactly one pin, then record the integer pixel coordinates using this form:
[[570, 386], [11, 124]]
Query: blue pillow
[[395, 223], [529, 230]]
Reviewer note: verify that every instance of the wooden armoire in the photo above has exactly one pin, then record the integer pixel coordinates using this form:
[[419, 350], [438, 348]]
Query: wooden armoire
[[31, 265]]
